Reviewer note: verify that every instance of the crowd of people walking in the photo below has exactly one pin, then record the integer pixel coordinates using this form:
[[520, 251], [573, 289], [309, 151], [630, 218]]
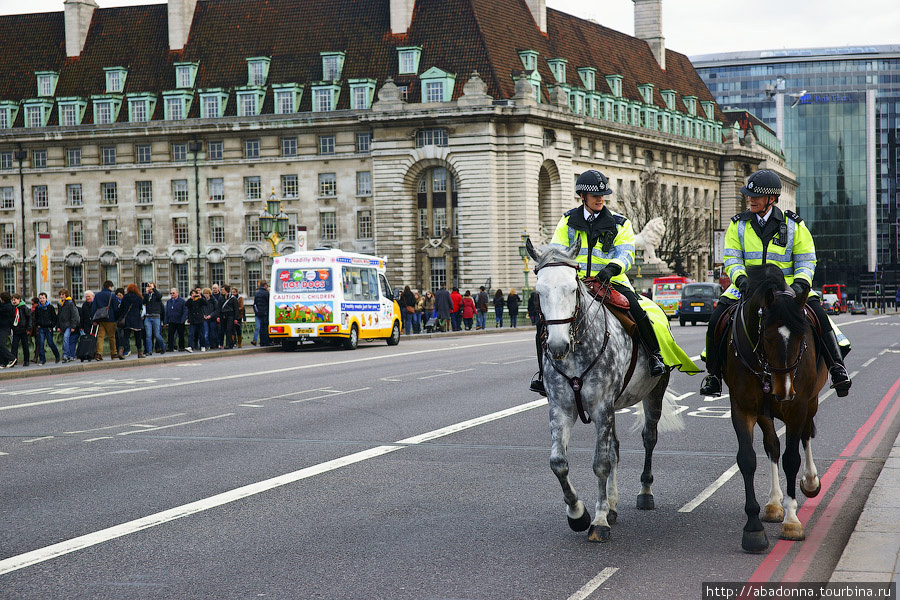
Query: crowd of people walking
[[446, 310]]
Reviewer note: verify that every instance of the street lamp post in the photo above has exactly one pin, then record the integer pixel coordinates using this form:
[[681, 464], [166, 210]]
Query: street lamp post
[[273, 223], [20, 155], [523, 253], [195, 147]]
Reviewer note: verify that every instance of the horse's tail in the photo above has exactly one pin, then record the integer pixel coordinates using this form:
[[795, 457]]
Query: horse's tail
[[670, 418]]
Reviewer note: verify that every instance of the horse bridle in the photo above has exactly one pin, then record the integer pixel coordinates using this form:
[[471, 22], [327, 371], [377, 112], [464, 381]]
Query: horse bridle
[[764, 374]]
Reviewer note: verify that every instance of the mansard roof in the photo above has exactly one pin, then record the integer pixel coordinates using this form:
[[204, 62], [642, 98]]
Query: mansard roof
[[458, 36]]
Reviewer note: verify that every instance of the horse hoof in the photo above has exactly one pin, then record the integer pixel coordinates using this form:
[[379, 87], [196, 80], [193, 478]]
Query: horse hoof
[[645, 502], [811, 493], [599, 534], [754, 542], [793, 532], [581, 523], [611, 517], [773, 513]]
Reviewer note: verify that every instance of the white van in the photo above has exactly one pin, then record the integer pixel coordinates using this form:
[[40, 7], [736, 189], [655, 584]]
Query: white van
[[329, 294]]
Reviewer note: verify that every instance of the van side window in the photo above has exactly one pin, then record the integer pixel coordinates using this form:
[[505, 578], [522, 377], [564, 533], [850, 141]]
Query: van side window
[[385, 288]]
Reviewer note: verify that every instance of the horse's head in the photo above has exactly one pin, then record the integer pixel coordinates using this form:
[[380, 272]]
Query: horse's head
[[557, 288], [782, 327]]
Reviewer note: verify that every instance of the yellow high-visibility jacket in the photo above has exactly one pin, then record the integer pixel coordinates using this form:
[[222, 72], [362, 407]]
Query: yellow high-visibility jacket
[[613, 238]]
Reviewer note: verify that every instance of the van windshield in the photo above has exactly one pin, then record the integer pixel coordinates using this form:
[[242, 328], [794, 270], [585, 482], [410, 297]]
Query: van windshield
[[700, 291], [303, 280]]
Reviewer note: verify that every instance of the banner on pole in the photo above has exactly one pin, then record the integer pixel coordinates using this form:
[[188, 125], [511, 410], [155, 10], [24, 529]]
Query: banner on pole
[[43, 264]]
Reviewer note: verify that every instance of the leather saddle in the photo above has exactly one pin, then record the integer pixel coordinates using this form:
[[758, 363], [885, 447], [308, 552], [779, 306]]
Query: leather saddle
[[617, 302]]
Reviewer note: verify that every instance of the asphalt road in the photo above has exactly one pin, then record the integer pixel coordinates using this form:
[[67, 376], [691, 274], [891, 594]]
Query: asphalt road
[[419, 471]]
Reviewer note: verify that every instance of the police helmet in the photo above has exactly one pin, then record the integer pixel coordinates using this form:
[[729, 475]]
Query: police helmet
[[593, 182], [762, 183]]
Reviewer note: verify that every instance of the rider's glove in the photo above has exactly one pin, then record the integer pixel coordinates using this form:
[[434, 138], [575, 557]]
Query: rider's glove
[[743, 285], [800, 287], [608, 272]]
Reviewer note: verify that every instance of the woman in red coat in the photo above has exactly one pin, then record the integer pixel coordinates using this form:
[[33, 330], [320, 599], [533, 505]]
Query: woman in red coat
[[468, 309]]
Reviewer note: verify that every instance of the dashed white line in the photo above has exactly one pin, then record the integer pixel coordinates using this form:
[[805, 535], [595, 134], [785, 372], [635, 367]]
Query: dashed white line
[[46, 437], [445, 373], [329, 395], [102, 437], [175, 424], [870, 361], [126, 424], [593, 584]]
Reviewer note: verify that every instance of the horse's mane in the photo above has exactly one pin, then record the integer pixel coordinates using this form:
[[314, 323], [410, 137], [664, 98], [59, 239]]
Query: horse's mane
[[769, 278], [552, 254]]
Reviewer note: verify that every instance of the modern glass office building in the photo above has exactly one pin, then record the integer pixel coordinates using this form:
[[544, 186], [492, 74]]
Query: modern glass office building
[[836, 113]]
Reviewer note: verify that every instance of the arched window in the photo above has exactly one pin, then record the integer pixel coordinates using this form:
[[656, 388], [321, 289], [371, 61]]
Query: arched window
[[437, 203]]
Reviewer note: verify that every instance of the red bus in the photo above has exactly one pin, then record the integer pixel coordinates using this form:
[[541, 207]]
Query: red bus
[[836, 295], [667, 293]]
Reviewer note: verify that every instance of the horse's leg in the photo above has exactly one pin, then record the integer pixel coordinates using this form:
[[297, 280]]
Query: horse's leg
[[772, 511], [754, 537], [809, 483], [560, 429], [612, 484], [652, 412], [603, 466], [791, 528]]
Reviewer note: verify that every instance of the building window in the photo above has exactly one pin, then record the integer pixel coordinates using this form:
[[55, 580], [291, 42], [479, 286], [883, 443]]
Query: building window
[[179, 190], [109, 194], [139, 111], [34, 116], [4, 118], [364, 143], [326, 144], [289, 146], [6, 160], [76, 235], [111, 273], [322, 100], [434, 91], [145, 232], [108, 155], [364, 224], [7, 198], [8, 238], [328, 225], [73, 157], [364, 183], [291, 234], [110, 233], [45, 85], [180, 230], [179, 152], [247, 105], [290, 187], [73, 195], [39, 159], [113, 82], [76, 281], [68, 115], [251, 148], [431, 137], [404, 92], [252, 224], [408, 61], [217, 272], [254, 274], [330, 68], [143, 153], [182, 279], [252, 188], [327, 184], [217, 230], [145, 273], [40, 196], [257, 73], [144, 192], [214, 151], [439, 179], [216, 187], [103, 113], [175, 108], [361, 96], [284, 103], [438, 272], [423, 222], [184, 76]]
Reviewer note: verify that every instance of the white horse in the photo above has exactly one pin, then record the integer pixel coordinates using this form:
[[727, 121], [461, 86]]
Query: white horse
[[586, 358]]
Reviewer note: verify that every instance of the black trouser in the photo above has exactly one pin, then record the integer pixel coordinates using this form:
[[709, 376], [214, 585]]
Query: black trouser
[[229, 332], [5, 355], [20, 338], [176, 328]]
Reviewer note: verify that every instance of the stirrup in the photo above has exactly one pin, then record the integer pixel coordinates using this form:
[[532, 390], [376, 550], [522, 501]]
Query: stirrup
[[840, 380], [712, 386], [537, 385], [657, 366]]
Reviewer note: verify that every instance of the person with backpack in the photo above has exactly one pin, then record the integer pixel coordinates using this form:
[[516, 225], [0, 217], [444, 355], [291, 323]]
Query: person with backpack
[[46, 321], [7, 316], [21, 328], [481, 303], [106, 306]]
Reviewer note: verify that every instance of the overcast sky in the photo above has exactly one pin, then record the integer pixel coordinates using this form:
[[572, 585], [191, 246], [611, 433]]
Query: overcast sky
[[700, 26]]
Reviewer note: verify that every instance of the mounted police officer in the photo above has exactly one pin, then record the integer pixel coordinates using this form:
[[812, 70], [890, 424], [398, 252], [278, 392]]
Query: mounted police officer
[[607, 248], [763, 235]]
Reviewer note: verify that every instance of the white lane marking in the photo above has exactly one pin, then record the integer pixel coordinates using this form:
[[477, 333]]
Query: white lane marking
[[445, 373], [125, 424], [251, 405], [270, 372], [324, 389], [714, 398], [593, 584], [512, 362], [4, 454], [40, 555], [46, 437], [102, 437], [175, 424], [330, 394], [870, 361], [683, 396]]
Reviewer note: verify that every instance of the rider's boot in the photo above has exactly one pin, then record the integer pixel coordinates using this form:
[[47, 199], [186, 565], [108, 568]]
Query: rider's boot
[[840, 380], [537, 382], [656, 364], [712, 385]]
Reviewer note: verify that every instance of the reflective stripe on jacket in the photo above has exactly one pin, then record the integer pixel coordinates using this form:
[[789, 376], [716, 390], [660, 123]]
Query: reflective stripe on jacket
[[620, 250]]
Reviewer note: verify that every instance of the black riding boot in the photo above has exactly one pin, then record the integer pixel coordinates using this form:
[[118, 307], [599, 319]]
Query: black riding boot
[[712, 385], [840, 380], [537, 382], [656, 364]]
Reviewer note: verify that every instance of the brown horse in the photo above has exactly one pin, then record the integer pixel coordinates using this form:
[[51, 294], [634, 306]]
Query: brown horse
[[773, 370]]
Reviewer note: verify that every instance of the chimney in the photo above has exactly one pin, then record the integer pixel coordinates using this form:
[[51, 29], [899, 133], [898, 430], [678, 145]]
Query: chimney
[[401, 15], [181, 15], [78, 15], [538, 10], [648, 27]]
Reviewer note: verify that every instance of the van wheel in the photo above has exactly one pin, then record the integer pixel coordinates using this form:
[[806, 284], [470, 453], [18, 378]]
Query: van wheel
[[289, 345], [681, 322], [395, 335], [352, 342]]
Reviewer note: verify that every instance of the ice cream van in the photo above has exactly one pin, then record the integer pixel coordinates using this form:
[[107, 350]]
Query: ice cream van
[[329, 294]]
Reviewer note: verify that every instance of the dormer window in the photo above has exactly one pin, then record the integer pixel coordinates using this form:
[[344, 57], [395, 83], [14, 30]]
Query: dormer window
[[185, 73], [690, 102], [36, 114], [115, 79], [258, 70], [646, 91], [332, 65], [287, 97], [71, 111], [177, 104], [408, 58], [361, 93], [141, 107], [558, 66], [437, 85], [615, 85], [46, 83], [212, 103], [709, 107], [106, 108], [325, 97], [249, 103], [588, 77], [8, 112], [529, 59], [669, 98]]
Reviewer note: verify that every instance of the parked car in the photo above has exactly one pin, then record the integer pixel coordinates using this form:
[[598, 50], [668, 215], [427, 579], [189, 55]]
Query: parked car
[[697, 302], [857, 308]]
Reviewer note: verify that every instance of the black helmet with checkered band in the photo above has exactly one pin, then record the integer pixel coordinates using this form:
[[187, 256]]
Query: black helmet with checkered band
[[762, 183], [592, 182]]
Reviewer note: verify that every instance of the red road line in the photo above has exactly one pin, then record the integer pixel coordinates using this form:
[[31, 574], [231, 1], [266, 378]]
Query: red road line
[[870, 422]]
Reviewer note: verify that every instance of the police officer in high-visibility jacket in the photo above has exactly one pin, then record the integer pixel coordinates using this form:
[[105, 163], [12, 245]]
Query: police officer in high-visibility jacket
[[763, 235], [607, 249]]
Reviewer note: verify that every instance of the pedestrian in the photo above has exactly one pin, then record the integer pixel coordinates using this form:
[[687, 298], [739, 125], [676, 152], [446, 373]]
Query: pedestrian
[[444, 305], [211, 319], [34, 331], [499, 303], [217, 325], [228, 316], [106, 306], [130, 316], [122, 333], [534, 308], [418, 323], [261, 311], [195, 309], [176, 317], [46, 321], [7, 316], [407, 309], [456, 315], [21, 328], [468, 309], [481, 304], [241, 318], [152, 321], [512, 307], [427, 309], [87, 312], [69, 322]]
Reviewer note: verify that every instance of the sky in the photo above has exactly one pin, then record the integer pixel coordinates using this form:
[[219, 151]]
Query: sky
[[699, 26]]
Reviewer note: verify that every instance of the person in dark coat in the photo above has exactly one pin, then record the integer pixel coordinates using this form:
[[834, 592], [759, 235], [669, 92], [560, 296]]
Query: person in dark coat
[[499, 303], [444, 305], [7, 316], [46, 322], [261, 312], [217, 327], [228, 316], [21, 328], [534, 308], [210, 319], [69, 322], [87, 312], [152, 320], [176, 317], [132, 304], [106, 328], [512, 306], [407, 300], [196, 308]]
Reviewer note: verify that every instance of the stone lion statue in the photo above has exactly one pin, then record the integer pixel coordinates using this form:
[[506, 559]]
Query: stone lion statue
[[649, 238]]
